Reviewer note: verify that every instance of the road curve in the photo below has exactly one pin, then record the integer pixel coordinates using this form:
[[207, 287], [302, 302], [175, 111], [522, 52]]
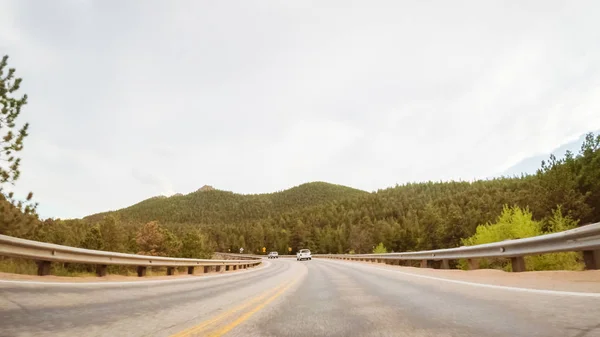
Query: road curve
[[290, 298]]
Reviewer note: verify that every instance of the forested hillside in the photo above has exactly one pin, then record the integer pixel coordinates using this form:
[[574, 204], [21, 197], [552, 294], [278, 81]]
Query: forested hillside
[[215, 206], [335, 219]]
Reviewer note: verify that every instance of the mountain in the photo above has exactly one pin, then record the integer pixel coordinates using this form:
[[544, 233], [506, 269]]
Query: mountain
[[532, 164], [210, 205], [205, 188]]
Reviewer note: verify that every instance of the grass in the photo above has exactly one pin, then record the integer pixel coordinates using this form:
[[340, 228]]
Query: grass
[[17, 266], [552, 261]]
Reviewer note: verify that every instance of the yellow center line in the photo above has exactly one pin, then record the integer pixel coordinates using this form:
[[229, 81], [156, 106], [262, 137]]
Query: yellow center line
[[249, 314], [200, 327]]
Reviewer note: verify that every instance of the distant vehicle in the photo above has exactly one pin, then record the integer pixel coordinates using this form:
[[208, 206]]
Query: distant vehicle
[[273, 255], [303, 254]]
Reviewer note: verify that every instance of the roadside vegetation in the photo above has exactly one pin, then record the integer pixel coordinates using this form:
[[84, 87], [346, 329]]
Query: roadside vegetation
[[326, 218], [517, 223]]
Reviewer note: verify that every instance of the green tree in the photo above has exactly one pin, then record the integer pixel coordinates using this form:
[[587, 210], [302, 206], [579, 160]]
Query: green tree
[[194, 245], [93, 239], [12, 136], [112, 234], [171, 245], [558, 261], [557, 185], [13, 221], [513, 223], [380, 249], [517, 223], [587, 167]]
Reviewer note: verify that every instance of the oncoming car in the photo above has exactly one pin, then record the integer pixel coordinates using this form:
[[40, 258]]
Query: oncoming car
[[303, 254], [273, 255]]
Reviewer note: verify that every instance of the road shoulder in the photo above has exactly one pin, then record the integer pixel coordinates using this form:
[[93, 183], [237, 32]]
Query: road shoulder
[[569, 281]]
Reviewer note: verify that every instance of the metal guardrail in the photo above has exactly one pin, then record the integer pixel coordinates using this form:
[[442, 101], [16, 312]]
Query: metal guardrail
[[240, 256], [254, 255], [584, 239], [45, 253]]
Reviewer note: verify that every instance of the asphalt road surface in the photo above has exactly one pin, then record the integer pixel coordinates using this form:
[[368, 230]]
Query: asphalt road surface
[[290, 298]]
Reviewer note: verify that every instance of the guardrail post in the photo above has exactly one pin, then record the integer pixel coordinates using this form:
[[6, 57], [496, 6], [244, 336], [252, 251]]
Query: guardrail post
[[518, 263], [206, 269], [170, 270], [473, 264], [101, 270], [43, 268], [190, 270], [445, 264], [141, 270], [591, 259], [424, 263]]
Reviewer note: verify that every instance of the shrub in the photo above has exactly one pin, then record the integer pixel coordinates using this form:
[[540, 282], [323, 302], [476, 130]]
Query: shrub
[[516, 223]]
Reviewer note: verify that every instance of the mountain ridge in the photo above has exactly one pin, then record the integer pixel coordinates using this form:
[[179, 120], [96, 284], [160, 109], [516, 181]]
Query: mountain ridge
[[531, 164], [211, 204]]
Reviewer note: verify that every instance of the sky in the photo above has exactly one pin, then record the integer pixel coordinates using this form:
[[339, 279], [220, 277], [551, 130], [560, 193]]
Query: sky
[[531, 164], [134, 99]]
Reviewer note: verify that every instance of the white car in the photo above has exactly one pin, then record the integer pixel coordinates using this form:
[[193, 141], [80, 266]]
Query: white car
[[303, 254], [273, 255]]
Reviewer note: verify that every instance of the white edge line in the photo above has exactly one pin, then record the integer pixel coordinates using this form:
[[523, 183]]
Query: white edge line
[[484, 285], [264, 265]]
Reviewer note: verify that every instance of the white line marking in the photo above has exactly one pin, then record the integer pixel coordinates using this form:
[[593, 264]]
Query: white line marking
[[264, 264], [482, 285]]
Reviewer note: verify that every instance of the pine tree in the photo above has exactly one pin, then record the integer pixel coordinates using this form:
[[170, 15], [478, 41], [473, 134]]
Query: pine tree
[[13, 136]]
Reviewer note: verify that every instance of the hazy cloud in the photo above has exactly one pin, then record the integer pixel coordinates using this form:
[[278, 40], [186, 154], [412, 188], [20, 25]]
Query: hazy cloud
[[133, 99]]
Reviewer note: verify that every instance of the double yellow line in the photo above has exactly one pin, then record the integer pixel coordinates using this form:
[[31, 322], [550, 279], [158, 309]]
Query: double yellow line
[[261, 301]]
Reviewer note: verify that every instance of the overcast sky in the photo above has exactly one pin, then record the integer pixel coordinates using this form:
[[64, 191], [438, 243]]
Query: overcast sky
[[133, 99]]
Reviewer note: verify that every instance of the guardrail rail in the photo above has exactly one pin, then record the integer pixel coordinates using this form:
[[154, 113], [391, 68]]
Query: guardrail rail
[[584, 239], [46, 253]]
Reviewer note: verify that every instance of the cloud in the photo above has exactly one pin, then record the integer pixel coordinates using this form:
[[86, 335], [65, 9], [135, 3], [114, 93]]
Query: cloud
[[161, 184], [156, 97]]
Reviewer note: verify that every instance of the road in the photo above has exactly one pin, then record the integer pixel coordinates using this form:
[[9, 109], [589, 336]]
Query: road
[[290, 298]]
